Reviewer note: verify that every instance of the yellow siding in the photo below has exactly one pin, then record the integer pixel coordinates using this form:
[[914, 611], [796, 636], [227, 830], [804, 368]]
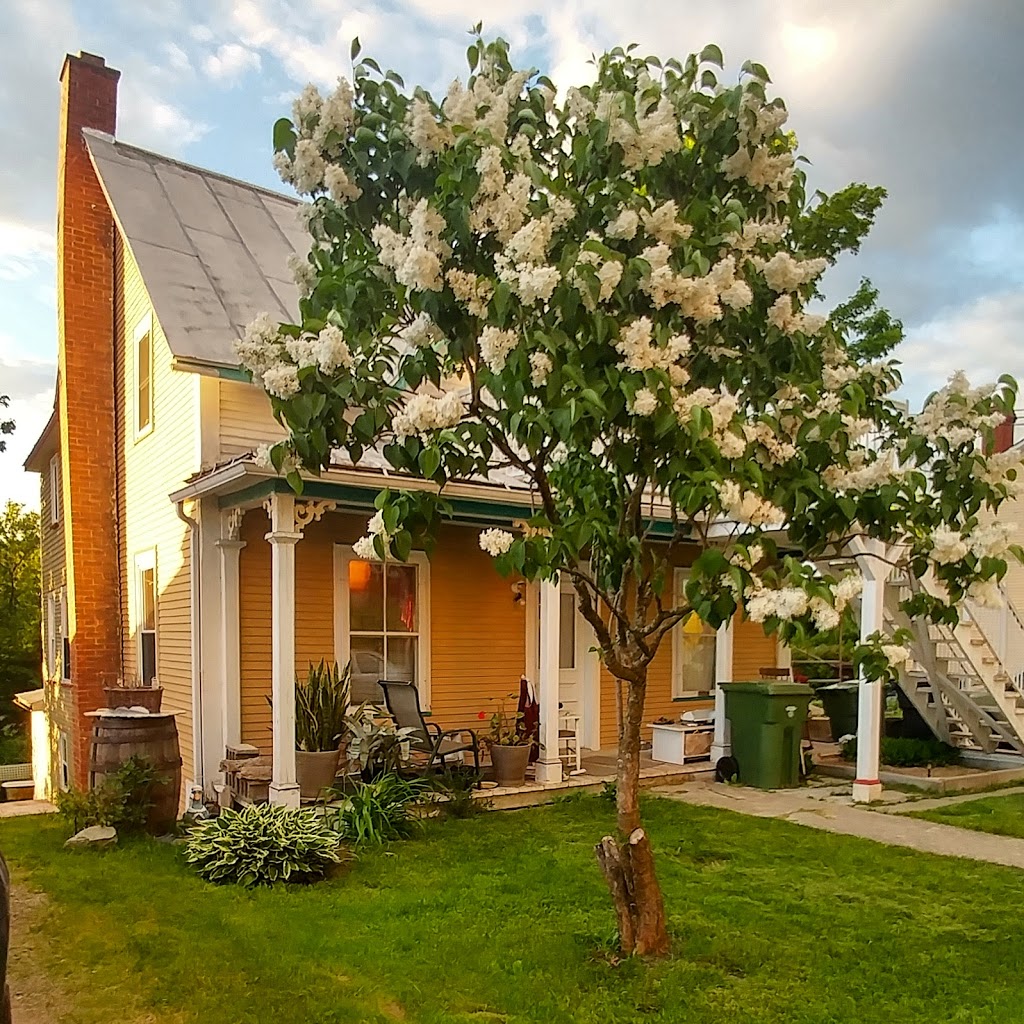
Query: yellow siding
[[477, 631], [246, 419], [151, 468], [752, 651]]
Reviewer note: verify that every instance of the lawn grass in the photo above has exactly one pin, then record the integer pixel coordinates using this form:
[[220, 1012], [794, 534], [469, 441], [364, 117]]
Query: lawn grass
[[504, 917], [1002, 815]]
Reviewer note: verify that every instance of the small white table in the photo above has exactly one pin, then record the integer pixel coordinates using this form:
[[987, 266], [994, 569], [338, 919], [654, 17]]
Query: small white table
[[680, 743]]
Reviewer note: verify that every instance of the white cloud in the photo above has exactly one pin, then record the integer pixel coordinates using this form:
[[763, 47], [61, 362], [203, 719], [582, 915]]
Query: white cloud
[[151, 122], [177, 59], [25, 249], [231, 61], [983, 339]]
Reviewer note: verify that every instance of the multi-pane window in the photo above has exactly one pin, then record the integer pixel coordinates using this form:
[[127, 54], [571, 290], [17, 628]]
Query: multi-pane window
[[144, 377], [693, 652], [65, 639], [383, 624], [51, 635], [145, 610]]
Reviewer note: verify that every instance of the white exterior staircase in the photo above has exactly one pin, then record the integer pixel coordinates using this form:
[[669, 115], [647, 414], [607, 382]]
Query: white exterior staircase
[[966, 682]]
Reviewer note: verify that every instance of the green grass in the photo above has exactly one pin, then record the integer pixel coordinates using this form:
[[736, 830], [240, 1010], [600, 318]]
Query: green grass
[[1002, 815], [504, 917]]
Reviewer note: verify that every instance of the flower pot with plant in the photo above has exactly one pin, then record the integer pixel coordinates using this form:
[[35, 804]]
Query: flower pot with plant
[[321, 709], [509, 745], [376, 746]]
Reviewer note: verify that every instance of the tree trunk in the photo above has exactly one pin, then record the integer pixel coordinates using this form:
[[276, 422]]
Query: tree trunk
[[628, 861]]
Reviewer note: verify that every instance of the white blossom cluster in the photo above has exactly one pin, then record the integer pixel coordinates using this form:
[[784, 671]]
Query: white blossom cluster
[[656, 133], [783, 273], [495, 346], [608, 273], [949, 545], [424, 412], [865, 472], [321, 125], [763, 166], [274, 360], [364, 547], [473, 291], [420, 332], [954, 413], [791, 321], [415, 258], [999, 465], [698, 298], [500, 206], [747, 506], [496, 542]]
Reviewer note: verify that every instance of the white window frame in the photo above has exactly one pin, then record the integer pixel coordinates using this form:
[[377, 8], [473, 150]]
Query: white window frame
[[142, 329], [55, 490], [680, 577], [144, 561], [65, 646], [51, 635], [343, 554], [63, 761]]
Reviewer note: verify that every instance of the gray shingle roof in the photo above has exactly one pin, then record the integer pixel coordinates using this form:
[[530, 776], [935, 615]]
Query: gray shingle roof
[[213, 252]]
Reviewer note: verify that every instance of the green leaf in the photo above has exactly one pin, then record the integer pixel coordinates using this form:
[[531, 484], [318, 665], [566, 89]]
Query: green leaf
[[712, 54], [355, 48], [284, 136]]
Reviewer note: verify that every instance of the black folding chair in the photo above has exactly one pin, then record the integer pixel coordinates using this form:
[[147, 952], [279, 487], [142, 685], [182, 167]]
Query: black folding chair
[[403, 703]]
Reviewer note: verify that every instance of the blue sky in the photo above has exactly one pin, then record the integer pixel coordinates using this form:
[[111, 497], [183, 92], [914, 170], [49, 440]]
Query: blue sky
[[920, 96]]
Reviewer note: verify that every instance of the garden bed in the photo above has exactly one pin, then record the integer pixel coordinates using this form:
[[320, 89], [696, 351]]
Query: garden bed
[[944, 779]]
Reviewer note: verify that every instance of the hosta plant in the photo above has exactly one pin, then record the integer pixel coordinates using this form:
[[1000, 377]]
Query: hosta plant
[[613, 291], [263, 844]]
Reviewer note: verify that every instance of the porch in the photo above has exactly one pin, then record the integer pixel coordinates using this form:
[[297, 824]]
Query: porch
[[282, 587]]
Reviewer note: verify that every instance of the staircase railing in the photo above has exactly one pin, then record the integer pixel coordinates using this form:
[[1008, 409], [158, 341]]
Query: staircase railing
[[1003, 629]]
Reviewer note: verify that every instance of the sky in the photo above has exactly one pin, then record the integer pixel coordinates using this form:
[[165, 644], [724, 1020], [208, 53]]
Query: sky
[[919, 96]]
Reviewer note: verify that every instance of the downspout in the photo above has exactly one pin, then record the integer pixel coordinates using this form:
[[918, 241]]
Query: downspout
[[197, 644]]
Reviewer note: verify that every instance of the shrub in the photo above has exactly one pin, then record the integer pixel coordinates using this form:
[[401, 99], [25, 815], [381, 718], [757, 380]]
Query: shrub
[[381, 810], [122, 800], [262, 844], [459, 787], [909, 753]]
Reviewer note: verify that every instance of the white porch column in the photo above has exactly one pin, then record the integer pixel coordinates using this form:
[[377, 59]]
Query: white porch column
[[283, 538], [870, 556], [549, 764], [231, 645], [722, 744]]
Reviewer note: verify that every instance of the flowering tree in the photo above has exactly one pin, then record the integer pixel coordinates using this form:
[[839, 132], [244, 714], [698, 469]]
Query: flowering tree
[[613, 295]]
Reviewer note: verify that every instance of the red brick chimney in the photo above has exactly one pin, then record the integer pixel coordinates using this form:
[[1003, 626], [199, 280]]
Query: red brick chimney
[[85, 332], [1003, 434]]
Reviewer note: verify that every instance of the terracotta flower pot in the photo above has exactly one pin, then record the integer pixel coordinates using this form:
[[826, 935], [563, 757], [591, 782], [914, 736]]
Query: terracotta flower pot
[[510, 764], [148, 697], [315, 771]]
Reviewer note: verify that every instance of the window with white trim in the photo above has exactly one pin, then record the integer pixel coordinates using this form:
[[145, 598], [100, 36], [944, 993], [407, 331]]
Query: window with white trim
[[55, 490], [145, 616], [51, 636], [143, 360], [65, 639], [63, 761], [693, 651], [383, 622]]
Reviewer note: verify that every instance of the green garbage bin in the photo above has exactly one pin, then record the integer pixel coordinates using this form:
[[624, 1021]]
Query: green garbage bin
[[767, 724], [840, 703]]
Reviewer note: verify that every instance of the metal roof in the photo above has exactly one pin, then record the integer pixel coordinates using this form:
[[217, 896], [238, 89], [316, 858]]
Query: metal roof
[[213, 252]]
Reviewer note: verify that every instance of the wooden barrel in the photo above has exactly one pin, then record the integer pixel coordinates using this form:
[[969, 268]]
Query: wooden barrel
[[115, 738]]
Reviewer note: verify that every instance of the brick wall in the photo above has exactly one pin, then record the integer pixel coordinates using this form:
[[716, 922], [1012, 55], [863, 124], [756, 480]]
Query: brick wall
[[85, 238]]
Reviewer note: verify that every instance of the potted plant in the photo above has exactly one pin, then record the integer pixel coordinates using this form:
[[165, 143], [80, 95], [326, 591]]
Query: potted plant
[[376, 746], [321, 709], [509, 745], [135, 695]]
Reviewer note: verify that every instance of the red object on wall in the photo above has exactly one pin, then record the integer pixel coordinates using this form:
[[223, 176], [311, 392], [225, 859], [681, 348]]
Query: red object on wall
[[1003, 438]]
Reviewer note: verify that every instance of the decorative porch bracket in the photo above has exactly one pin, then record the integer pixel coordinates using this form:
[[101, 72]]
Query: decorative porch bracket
[[874, 559]]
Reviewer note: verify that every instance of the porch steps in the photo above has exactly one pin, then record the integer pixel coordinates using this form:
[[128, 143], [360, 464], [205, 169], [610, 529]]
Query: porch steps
[[957, 682]]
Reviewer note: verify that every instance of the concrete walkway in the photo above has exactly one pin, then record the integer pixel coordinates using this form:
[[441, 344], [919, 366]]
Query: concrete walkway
[[19, 808], [823, 808]]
